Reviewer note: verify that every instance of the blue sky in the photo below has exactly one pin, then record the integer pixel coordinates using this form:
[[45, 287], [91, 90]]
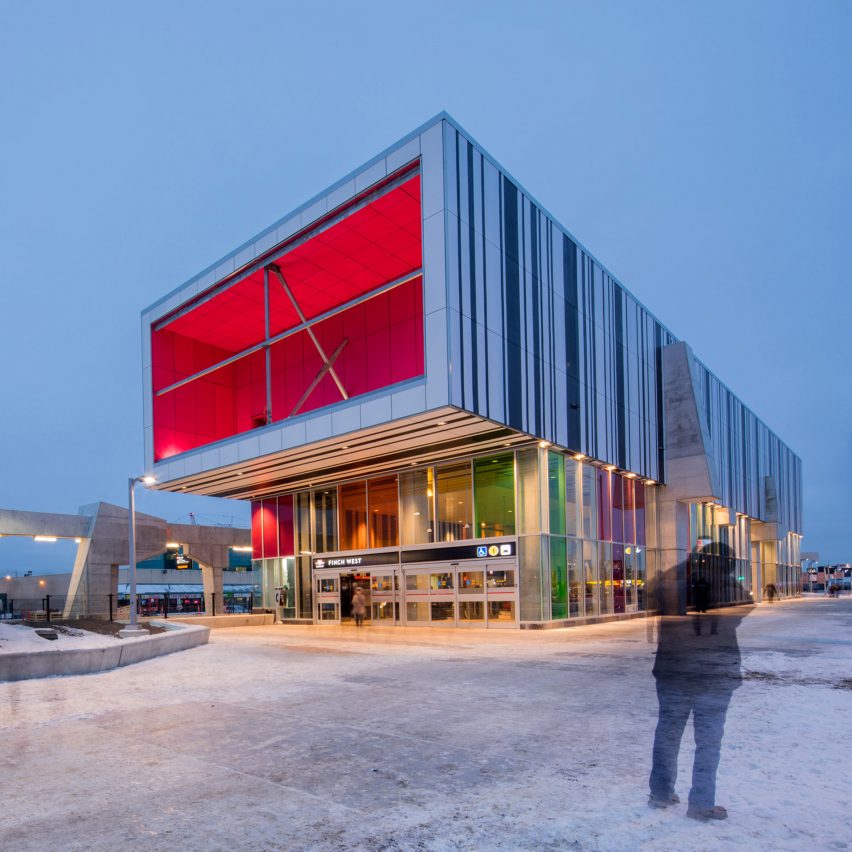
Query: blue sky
[[700, 150]]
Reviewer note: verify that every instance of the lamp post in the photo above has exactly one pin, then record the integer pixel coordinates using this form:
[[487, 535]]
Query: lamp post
[[133, 629]]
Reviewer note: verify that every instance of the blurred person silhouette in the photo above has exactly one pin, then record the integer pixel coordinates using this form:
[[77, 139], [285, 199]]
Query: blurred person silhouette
[[697, 671], [359, 606]]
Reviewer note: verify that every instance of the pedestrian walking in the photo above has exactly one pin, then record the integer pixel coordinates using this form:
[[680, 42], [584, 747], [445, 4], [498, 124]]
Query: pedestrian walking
[[359, 606]]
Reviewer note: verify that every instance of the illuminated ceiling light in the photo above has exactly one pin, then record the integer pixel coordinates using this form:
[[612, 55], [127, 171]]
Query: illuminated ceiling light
[[544, 444], [609, 467], [417, 514], [579, 456], [650, 482], [630, 476], [442, 422], [77, 540], [172, 545], [241, 549], [306, 552], [345, 447], [44, 538]]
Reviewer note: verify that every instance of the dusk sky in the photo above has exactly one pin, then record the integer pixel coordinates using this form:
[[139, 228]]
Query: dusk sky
[[700, 150]]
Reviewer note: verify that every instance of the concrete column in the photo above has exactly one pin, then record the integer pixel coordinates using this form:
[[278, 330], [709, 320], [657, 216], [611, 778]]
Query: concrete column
[[673, 525], [213, 579]]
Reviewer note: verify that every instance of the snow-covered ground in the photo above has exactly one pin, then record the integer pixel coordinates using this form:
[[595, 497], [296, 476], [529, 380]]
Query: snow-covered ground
[[17, 638], [332, 738]]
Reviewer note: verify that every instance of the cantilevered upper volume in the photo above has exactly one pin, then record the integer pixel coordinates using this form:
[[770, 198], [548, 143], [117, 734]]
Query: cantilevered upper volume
[[425, 309]]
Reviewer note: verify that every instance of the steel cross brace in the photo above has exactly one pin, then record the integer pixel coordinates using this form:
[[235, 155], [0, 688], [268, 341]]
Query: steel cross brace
[[328, 362]]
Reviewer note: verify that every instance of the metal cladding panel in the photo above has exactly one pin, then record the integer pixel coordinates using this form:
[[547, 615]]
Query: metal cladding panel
[[542, 338], [746, 454]]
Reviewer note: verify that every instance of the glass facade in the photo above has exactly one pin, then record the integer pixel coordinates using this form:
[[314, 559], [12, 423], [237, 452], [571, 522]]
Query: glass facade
[[580, 531], [454, 502]]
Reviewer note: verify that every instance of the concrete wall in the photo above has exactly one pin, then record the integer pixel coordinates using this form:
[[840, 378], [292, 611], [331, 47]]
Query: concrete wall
[[73, 661]]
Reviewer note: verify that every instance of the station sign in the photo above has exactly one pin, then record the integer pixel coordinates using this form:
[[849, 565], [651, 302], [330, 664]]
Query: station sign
[[355, 560], [451, 552], [460, 551]]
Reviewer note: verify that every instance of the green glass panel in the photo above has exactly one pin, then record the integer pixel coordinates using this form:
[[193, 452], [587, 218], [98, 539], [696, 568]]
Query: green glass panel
[[494, 495], [558, 578], [556, 493]]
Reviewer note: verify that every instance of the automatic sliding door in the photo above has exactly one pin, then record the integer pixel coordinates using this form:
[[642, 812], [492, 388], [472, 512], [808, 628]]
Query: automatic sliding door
[[471, 598], [501, 581], [327, 606]]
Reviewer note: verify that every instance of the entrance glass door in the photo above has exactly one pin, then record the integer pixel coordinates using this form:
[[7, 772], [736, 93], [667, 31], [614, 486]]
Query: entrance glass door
[[477, 594], [327, 597]]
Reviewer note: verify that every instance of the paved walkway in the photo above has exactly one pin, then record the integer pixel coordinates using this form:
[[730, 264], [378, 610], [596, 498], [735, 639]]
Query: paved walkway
[[381, 738]]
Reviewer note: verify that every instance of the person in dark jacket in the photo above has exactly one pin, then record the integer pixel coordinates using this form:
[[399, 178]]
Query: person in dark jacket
[[697, 672]]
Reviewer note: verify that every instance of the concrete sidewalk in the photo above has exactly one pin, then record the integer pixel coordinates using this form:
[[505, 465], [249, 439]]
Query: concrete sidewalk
[[332, 738]]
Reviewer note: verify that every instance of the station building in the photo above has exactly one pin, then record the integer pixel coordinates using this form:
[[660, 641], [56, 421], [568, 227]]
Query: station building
[[428, 388]]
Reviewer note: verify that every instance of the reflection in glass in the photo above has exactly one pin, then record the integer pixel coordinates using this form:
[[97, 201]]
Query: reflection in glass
[[417, 611], [556, 492], [590, 577], [325, 520], [498, 579], [501, 610], [471, 582], [443, 611], [455, 520], [573, 495], [353, 516], [575, 578], [529, 492], [417, 498], [381, 582], [494, 494], [327, 584], [590, 513], [327, 611], [471, 611], [417, 582], [558, 578], [442, 581], [383, 498]]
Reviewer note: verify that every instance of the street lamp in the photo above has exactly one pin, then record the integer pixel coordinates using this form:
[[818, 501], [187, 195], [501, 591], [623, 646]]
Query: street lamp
[[133, 629]]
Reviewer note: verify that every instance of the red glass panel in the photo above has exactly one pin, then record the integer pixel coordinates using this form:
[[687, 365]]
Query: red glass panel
[[353, 516], [616, 483], [630, 487], [222, 403], [224, 325], [384, 345], [256, 529], [373, 245], [285, 526], [639, 500], [270, 528], [383, 503], [604, 505]]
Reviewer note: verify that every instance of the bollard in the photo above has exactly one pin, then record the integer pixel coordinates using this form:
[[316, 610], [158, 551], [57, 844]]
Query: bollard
[[110, 606], [166, 605], [47, 607], [213, 602]]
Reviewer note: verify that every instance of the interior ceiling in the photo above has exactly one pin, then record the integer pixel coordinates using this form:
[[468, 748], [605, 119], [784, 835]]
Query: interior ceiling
[[439, 435], [370, 246]]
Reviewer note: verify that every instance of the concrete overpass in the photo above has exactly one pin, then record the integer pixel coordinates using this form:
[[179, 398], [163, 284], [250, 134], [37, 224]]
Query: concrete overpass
[[101, 533]]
